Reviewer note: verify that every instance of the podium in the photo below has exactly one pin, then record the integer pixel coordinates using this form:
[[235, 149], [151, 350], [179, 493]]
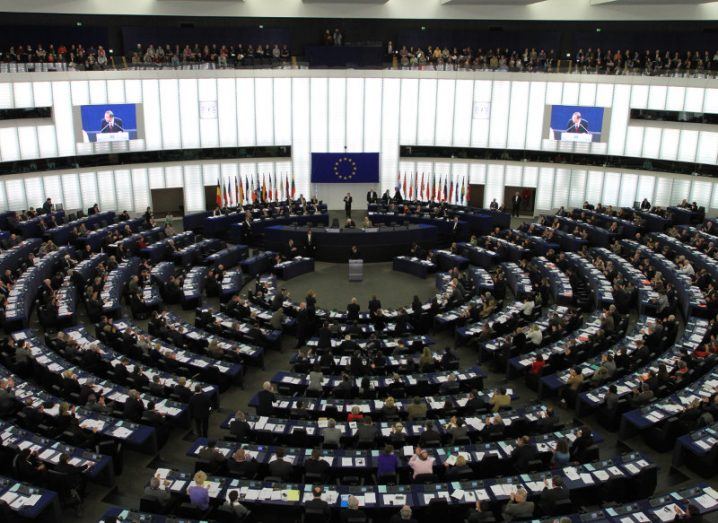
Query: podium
[[356, 270], [122, 136]]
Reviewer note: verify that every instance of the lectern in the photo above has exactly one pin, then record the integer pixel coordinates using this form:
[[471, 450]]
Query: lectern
[[356, 270]]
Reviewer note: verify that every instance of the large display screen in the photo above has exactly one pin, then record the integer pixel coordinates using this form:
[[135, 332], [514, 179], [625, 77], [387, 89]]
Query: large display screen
[[108, 122], [575, 123]]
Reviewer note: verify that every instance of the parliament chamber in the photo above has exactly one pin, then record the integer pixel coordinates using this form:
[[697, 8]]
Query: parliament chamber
[[358, 262]]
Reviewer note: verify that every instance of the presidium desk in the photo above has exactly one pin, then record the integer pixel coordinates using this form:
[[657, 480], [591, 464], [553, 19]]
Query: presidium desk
[[333, 244]]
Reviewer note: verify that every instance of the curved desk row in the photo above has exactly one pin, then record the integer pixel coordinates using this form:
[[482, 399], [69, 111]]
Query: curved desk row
[[333, 245]]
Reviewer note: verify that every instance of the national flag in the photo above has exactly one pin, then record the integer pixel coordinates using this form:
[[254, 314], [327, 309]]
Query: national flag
[[286, 186], [403, 192], [263, 191], [271, 192], [468, 191], [246, 188], [294, 187], [227, 195], [430, 187], [259, 188], [463, 189], [422, 186], [445, 187], [451, 192], [411, 186], [240, 191], [218, 197]]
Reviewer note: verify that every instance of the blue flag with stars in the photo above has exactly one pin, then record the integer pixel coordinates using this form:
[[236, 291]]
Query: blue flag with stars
[[345, 167]]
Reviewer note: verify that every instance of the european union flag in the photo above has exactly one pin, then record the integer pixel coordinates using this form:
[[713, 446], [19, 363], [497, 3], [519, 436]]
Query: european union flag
[[345, 167]]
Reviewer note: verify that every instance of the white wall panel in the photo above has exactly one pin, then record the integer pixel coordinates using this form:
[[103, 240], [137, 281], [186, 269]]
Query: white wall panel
[[170, 114], [680, 190], [463, 112], [657, 97], [108, 194], [123, 191], [611, 187], [52, 188], [210, 173], [336, 120], [115, 91], [194, 192], [701, 193], [355, 114], [282, 111], [98, 92], [208, 127], [372, 114], [587, 94], [300, 132], [594, 186], [646, 185], [156, 177], [634, 142], [707, 148], [246, 127], [409, 97], [227, 112], [513, 176], [569, 95], [189, 113], [710, 101], [42, 92], [141, 190], [72, 196], [535, 115], [445, 106], [694, 99], [675, 98], [6, 96], [544, 190], [687, 144], [494, 185], [477, 173], [518, 115], [561, 184], [499, 114], [264, 110], [483, 91], [22, 94], [651, 142], [426, 127], [15, 190], [639, 96], [151, 108], [629, 185], [88, 188], [27, 138], [669, 144], [173, 176], [578, 188], [390, 128], [9, 145], [664, 186], [62, 114], [619, 119], [530, 176], [319, 115]]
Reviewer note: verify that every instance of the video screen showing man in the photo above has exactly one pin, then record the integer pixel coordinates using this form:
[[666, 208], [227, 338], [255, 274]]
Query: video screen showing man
[[111, 124], [577, 124]]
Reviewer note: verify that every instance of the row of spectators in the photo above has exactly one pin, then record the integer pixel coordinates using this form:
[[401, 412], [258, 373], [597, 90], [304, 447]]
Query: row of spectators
[[590, 61], [652, 62]]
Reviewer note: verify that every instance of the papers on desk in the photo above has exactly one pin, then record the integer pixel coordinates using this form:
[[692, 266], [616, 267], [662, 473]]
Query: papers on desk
[[667, 513], [122, 432], [706, 501], [502, 489], [394, 499]]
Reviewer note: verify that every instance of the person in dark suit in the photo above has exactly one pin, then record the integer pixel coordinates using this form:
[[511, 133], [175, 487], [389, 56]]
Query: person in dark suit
[[577, 124], [265, 398], [242, 464], [494, 205], [374, 305], [111, 124], [239, 427], [645, 205], [556, 493], [403, 516], [516, 204], [279, 467], [317, 505], [353, 310], [247, 228], [310, 246], [523, 453], [352, 512], [314, 464], [372, 196], [47, 206], [348, 204], [581, 443], [354, 254], [134, 408], [199, 409]]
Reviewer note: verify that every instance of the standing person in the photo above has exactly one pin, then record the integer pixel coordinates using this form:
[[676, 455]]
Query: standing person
[[516, 204], [348, 204], [199, 409], [371, 196]]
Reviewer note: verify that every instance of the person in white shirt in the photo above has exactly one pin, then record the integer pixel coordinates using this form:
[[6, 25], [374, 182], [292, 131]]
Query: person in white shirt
[[534, 335], [527, 308], [687, 268]]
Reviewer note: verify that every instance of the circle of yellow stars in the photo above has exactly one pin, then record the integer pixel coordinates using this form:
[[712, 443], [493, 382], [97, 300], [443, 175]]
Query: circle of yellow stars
[[340, 167]]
